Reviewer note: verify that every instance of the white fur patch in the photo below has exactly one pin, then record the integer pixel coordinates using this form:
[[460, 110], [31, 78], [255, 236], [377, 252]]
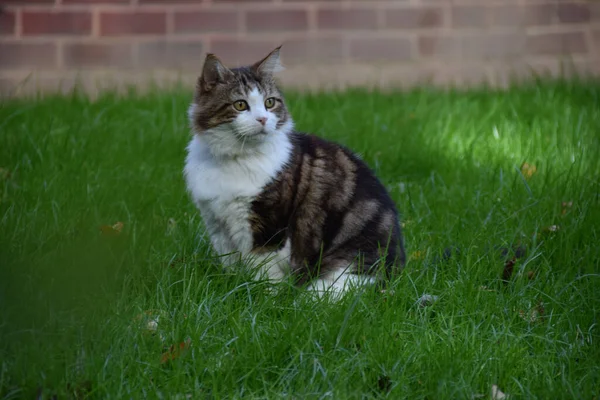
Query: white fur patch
[[339, 281]]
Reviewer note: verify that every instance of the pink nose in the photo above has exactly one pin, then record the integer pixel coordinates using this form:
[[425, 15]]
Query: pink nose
[[262, 120]]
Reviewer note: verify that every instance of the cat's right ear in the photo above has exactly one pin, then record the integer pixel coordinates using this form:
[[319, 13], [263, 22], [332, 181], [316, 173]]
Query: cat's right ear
[[213, 72]]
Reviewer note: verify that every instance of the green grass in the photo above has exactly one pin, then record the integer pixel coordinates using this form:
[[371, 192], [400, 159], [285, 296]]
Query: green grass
[[70, 295]]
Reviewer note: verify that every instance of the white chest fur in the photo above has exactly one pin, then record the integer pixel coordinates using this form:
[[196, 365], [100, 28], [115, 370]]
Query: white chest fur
[[224, 188]]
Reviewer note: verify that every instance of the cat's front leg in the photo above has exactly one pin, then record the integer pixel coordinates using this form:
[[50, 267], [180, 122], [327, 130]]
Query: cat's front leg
[[273, 266]]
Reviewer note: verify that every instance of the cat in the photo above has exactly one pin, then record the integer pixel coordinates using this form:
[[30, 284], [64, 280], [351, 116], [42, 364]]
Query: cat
[[285, 203]]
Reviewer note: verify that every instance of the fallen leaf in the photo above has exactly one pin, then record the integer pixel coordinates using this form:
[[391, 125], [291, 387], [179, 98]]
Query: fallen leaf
[[118, 226], [509, 267], [175, 351], [540, 309], [534, 314], [111, 230], [566, 206], [528, 170], [4, 174], [497, 393], [417, 255]]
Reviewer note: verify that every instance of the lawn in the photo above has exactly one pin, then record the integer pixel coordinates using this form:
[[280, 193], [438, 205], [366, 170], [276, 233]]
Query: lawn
[[108, 287]]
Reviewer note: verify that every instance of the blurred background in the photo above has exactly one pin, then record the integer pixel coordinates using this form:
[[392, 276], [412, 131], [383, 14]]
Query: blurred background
[[56, 44]]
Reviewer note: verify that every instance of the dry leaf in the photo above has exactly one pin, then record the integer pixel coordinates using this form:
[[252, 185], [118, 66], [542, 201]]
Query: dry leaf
[[175, 351], [113, 230], [497, 393], [528, 170], [566, 205], [509, 267], [118, 226], [534, 314], [4, 174], [417, 255]]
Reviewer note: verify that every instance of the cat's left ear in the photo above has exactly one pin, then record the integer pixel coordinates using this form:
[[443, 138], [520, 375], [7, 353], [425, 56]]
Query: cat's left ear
[[269, 65]]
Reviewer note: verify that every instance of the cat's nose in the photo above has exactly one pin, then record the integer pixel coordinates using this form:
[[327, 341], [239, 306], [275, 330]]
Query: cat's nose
[[262, 120]]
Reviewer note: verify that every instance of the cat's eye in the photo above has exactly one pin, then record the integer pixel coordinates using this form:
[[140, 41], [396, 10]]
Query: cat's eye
[[269, 103], [240, 105]]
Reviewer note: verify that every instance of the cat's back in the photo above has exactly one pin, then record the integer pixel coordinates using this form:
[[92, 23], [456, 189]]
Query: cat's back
[[337, 170]]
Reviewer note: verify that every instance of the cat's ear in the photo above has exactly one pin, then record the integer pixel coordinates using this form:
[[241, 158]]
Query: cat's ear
[[213, 72], [269, 65]]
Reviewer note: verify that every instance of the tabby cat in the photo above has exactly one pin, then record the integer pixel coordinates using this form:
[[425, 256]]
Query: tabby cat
[[286, 203]]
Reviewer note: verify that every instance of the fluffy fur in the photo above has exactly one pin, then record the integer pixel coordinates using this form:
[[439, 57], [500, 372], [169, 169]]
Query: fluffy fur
[[280, 201]]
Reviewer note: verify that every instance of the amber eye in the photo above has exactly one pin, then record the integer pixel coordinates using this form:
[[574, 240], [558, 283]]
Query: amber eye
[[240, 105], [269, 103]]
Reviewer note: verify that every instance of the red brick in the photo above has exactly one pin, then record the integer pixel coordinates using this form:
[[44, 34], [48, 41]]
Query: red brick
[[56, 23], [97, 55], [469, 16], [312, 50], [170, 1], [573, 13], [596, 40], [27, 2], [347, 19], [96, 1], [461, 74], [42, 55], [557, 43], [239, 51], [474, 47], [507, 15], [169, 54], [276, 20], [516, 15], [206, 21], [595, 11], [540, 14], [377, 49], [240, 1], [7, 23], [133, 23], [412, 18]]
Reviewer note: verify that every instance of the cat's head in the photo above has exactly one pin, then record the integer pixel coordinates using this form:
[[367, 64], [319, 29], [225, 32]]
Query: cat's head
[[242, 104]]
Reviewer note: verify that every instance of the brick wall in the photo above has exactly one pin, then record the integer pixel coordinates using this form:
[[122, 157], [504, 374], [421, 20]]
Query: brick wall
[[52, 44]]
